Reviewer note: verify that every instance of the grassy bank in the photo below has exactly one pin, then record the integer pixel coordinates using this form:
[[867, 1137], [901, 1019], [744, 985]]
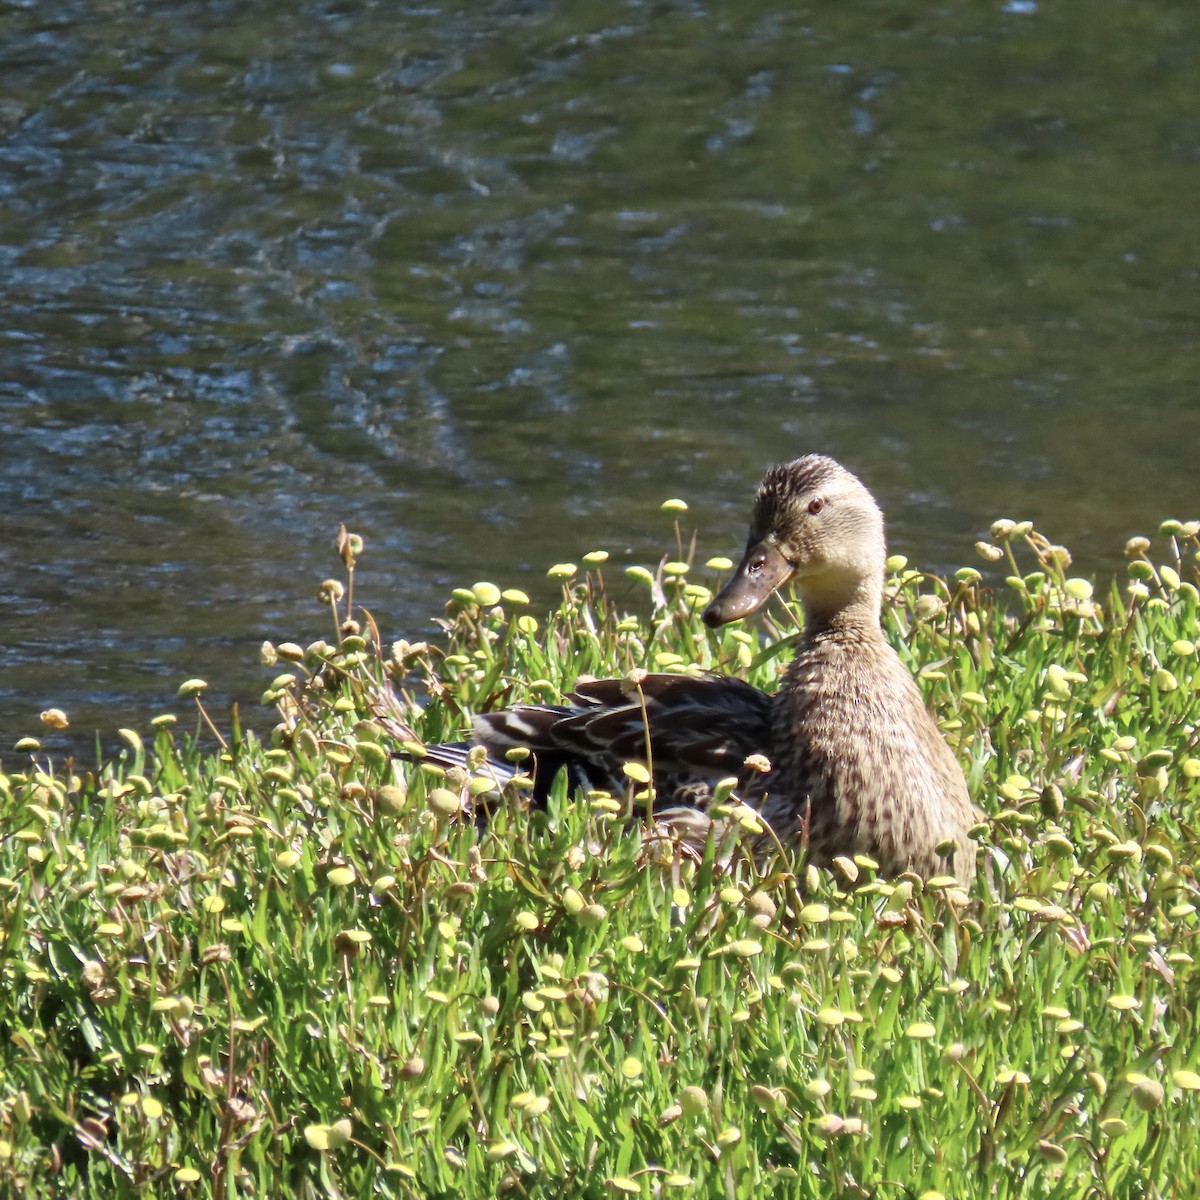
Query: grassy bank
[[292, 968]]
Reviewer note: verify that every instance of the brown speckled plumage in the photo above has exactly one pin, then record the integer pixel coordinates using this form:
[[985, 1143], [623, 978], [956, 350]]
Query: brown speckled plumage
[[857, 757], [857, 762]]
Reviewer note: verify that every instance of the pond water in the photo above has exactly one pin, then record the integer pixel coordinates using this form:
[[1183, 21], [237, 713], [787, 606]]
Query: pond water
[[489, 281]]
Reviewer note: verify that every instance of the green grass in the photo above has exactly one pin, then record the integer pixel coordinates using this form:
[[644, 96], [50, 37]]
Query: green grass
[[299, 969]]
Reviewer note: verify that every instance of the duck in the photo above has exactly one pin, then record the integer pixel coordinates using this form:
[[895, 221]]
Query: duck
[[843, 759]]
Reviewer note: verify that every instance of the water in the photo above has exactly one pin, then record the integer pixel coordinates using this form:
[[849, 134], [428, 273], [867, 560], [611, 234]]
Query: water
[[488, 282]]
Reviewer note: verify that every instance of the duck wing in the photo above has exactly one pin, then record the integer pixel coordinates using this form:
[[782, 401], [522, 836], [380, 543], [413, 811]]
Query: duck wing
[[699, 729]]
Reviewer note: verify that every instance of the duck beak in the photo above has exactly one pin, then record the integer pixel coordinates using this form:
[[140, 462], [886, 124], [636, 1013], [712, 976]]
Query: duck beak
[[761, 571]]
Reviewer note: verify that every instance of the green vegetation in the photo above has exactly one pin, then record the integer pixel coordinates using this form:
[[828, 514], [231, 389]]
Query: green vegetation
[[300, 968]]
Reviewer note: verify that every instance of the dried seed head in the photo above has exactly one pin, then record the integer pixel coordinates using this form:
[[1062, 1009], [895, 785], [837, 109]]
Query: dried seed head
[[444, 802], [486, 593], [391, 798], [348, 942], [1147, 1093], [847, 867], [927, 607], [831, 1125], [330, 591], [1052, 801], [636, 771], [1125, 852]]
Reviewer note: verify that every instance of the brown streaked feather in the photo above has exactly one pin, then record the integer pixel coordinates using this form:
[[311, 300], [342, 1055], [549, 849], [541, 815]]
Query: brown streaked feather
[[702, 728], [858, 765]]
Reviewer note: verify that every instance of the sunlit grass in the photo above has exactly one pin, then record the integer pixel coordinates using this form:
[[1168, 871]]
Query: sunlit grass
[[304, 968]]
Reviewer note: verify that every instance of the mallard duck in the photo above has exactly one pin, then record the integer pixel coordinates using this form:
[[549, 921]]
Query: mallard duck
[[854, 762]]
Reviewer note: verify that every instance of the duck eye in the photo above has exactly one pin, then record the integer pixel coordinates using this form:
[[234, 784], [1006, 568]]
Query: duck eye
[[815, 505]]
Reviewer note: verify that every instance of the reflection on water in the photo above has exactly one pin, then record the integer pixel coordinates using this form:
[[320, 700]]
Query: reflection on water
[[490, 281]]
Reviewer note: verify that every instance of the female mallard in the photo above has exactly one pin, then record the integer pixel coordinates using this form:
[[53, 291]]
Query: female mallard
[[857, 765]]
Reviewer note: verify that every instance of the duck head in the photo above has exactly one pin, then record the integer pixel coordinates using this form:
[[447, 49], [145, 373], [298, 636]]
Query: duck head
[[816, 524]]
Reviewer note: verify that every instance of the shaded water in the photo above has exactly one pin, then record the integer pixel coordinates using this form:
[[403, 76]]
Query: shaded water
[[490, 281]]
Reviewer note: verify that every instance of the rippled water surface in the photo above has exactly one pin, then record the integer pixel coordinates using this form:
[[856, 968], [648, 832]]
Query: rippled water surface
[[489, 282]]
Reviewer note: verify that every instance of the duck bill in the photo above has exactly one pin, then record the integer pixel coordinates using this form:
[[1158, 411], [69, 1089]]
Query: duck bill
[[761, 571]]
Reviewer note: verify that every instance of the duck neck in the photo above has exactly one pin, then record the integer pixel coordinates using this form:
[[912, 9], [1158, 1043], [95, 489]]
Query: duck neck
[[852, 607]]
